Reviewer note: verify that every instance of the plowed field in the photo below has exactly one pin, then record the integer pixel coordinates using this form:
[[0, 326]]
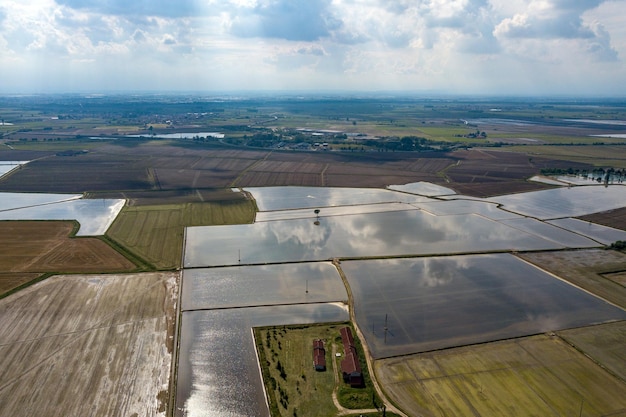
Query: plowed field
[[38, 246]]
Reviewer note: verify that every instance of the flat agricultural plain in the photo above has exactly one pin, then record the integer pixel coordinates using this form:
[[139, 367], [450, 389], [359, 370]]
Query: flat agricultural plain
[[88, 345], [534, 376]]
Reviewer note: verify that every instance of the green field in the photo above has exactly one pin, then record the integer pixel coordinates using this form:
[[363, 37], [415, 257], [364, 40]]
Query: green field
[[155, 233], [293, 386]]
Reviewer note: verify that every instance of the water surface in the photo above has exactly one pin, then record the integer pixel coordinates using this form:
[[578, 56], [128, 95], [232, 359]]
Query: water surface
[[373, 235], [564, 202], [423, 188], [261, 285], [218, 371], [434, 303], [94, 216], [284, 198]]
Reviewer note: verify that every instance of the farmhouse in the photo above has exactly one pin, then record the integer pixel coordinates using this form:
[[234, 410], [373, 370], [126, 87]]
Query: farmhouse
[[350, 366], [319, 355]]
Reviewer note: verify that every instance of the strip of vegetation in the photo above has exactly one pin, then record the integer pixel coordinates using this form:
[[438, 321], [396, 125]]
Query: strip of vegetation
[[142, 264], [26, 285]]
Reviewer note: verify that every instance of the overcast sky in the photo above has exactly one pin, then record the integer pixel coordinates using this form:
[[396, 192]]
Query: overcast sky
[[519, 47]]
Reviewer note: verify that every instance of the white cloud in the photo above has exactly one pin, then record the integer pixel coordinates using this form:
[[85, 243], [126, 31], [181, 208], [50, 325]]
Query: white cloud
[[508, 46]]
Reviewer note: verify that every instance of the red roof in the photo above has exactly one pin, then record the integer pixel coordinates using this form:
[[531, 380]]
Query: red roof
[[350, 366], [319, 354]]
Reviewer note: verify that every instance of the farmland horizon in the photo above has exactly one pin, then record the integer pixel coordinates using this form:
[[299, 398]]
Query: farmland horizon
[[254, 208], [316, 93]]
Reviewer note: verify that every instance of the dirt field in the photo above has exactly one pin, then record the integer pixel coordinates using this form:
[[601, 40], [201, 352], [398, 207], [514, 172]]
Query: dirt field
[[46, 246], [9, 281], [535, 376], [97, 345], [142, 167], [586, 269]]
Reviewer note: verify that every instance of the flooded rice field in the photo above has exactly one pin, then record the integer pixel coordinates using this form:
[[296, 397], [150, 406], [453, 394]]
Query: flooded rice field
[[13, 201], [603, 234], [218, 371], [277, 271], [313, 214], [554, 232], [423, 188], [564, 202], [94, 216], [285, 198], [406, 306], [262, 285], [413, 232]]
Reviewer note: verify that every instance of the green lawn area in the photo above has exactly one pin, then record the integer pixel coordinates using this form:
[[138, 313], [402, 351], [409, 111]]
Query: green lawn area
[[293, 386]]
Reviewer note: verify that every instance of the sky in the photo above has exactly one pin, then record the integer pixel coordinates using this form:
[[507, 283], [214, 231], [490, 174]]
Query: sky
[[479, 47]]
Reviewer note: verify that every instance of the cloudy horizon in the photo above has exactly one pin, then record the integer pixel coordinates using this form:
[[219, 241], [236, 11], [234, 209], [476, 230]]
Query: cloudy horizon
[[486, 47]]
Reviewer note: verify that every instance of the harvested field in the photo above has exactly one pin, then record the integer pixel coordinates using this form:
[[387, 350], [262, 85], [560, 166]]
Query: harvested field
[[604, 343], [130, 167], [262, 179], [485, 173], [156, 197], [535, 376], [9, 280], [97, 345], [47, 246], [612, 218], [586, 269], [89, 172], [155, 232]]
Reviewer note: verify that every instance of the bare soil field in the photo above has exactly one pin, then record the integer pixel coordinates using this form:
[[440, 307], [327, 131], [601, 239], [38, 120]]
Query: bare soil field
[[534, 376], [585, 269], [11, 280], [484, 173], [138, 167], [47, 246], [97, 345]]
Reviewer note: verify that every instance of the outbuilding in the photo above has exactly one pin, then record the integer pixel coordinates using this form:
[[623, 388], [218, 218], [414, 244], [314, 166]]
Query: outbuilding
[[319, 355], [350, 366]]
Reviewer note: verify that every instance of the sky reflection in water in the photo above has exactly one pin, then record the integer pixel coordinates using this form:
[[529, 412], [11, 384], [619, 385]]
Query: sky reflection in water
[[94, 216], [372, 235], [564, 202], [434, 303], [218, 374], [209, 288], [429, 303]]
